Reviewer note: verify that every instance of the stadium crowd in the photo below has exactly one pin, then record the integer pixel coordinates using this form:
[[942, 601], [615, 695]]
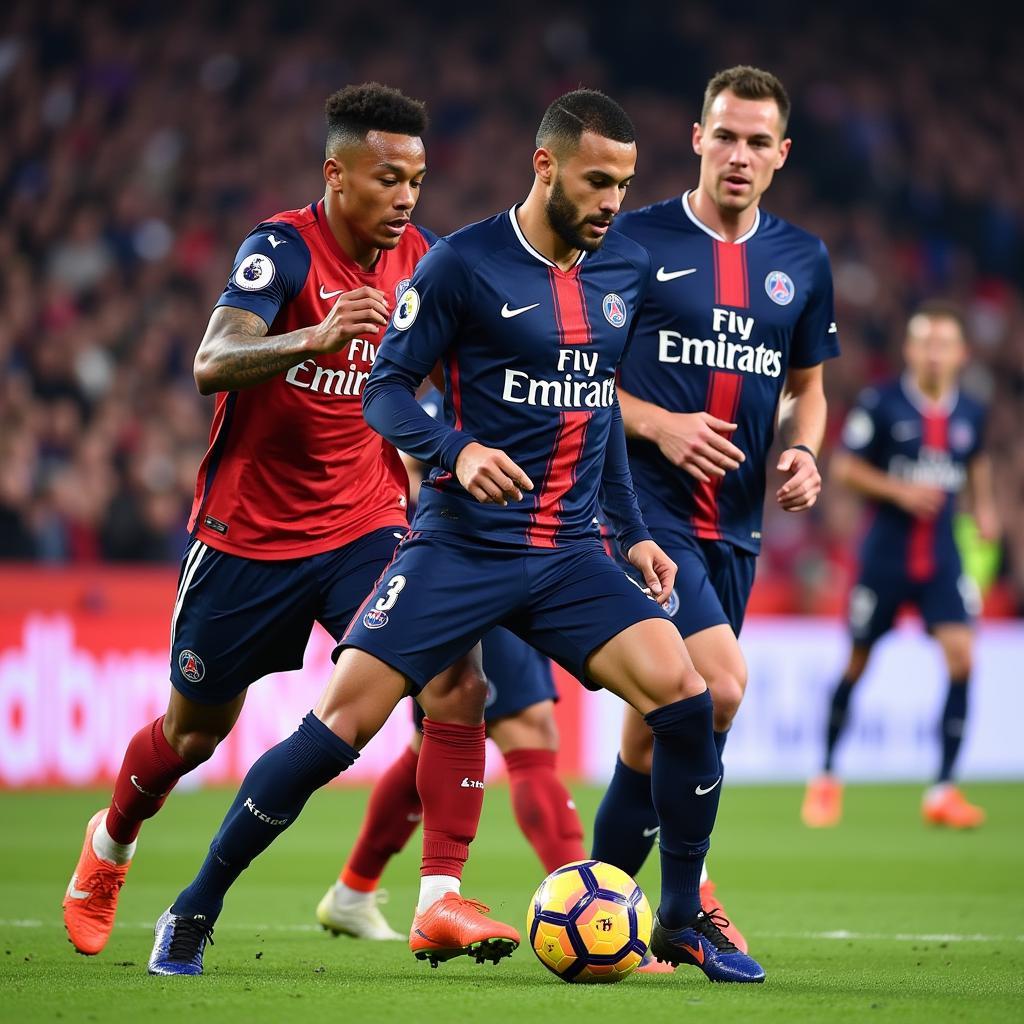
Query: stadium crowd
[[142, 142]]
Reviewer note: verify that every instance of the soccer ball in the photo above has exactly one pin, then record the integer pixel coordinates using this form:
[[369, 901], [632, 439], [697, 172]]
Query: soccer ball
[[589, 922]]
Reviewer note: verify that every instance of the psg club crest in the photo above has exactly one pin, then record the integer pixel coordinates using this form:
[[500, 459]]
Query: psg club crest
[[779, 287], [673, 603], [374, 619], [614, 309], [255, 272], [406, 310], [191, 666], [961, 435]]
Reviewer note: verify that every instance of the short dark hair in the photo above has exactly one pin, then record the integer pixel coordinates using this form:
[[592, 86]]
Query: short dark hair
[[748, 83], [357, 109], [584, 110], [941, 309]]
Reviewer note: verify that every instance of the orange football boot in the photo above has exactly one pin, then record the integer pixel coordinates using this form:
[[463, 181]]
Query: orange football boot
[[90, 902], [823, 802], [454, 926], [949, 807], [651, 965], [711, 905]]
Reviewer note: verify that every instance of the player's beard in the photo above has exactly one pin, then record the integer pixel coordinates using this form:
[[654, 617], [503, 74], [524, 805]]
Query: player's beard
[[564, 217]]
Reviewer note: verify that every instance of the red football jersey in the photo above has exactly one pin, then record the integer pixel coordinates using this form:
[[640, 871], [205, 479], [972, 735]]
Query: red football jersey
[[292, 468]]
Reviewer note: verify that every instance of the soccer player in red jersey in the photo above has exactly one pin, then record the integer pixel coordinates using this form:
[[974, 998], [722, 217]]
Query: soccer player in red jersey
[[298, 504]]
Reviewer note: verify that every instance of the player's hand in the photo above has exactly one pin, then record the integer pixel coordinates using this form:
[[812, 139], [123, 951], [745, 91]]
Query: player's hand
[[801, 490], [490, 476], [698, 443], [658, 570], [356, 313], [987, 522], [920, 500]]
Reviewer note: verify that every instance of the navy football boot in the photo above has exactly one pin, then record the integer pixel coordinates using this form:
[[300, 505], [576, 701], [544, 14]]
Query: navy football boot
[[179, 944], [702, 944]]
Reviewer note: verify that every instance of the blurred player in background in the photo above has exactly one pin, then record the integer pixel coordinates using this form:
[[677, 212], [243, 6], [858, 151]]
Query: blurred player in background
[[529, 313], [910, 448], [520, 718], [298, 504], [733, 333]]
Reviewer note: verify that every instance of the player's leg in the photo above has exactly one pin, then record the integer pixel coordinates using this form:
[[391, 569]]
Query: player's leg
[[948, 605], [521, 721], [589, 616], [217, 650], [372, 673], [873, 604]]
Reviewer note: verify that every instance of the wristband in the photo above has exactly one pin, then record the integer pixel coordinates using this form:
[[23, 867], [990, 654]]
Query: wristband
[[804, 448]]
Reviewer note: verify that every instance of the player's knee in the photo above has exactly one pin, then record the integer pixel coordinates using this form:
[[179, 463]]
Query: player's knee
[[195, 747], [727, 694], [959, 663], [533, 728], [461, 699], [676, 684]]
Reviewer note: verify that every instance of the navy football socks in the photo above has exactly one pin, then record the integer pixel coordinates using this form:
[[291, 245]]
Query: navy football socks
[[271, 796], [954, 714], [720, 738], [686, 783], [837, 718], [626, 822]]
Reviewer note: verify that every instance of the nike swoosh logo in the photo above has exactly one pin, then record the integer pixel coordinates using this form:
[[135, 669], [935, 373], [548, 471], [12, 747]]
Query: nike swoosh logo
[[509, 313], [696, 952], [702, 791], [76, 893], [648, 832], [671, 275], [275, 242], [145, 792], [329, 295]]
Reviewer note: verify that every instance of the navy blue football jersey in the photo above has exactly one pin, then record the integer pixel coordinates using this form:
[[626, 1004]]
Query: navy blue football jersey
[[897, 429], [720, 326], [529, 353]]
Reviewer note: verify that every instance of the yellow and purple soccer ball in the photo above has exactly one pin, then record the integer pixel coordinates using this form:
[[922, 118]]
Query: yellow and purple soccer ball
[[589, 922]]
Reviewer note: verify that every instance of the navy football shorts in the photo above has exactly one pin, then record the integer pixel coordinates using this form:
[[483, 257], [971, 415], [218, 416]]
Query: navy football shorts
[[517, 677], [238, 619], [442, 593], [713, 582], [946, 598]]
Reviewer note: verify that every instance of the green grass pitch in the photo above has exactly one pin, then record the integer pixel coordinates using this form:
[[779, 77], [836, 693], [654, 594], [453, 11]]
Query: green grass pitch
[[881, 919]]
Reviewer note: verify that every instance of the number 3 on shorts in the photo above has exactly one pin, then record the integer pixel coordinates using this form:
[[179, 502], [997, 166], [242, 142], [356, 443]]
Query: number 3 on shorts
[[395, 586]]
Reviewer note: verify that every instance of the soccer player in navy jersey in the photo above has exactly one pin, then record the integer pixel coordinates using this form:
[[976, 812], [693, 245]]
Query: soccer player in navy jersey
[[528, 313], [910, 447], [731, 338], [298, 504]]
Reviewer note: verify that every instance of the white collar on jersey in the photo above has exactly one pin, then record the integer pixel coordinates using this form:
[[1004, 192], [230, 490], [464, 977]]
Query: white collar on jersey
[[746, 236], [922, 403], [529, 248]]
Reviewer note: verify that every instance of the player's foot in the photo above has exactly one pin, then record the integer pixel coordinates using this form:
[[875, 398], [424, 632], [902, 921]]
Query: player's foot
[[702, 944], [454, 926], [90, 902], [946, 805], [823, 802], [712, 906], [179, 944], [345, 911], [649, 965]]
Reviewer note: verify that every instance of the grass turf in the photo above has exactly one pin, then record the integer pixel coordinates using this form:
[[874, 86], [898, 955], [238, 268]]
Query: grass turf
[[881, 919]]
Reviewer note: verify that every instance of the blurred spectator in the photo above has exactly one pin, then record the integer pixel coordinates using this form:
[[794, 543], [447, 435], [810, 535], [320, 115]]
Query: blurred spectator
[[143, 141]]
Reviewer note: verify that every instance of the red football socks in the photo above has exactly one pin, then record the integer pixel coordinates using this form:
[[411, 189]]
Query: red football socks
[[449, 778], [391, 817], [544, 808], [148, 773]]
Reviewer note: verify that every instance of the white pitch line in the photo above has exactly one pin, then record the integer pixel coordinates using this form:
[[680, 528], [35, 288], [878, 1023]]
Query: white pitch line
[[835, 936]]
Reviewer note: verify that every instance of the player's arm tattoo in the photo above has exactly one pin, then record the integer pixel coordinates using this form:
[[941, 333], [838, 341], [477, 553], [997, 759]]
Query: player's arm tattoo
[[236, 353]]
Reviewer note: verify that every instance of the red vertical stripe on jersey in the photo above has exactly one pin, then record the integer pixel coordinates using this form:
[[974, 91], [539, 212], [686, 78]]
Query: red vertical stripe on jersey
[[570, 310], [723, 400], [731, 285], [559, 476], [456, 386], [921, 547]]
